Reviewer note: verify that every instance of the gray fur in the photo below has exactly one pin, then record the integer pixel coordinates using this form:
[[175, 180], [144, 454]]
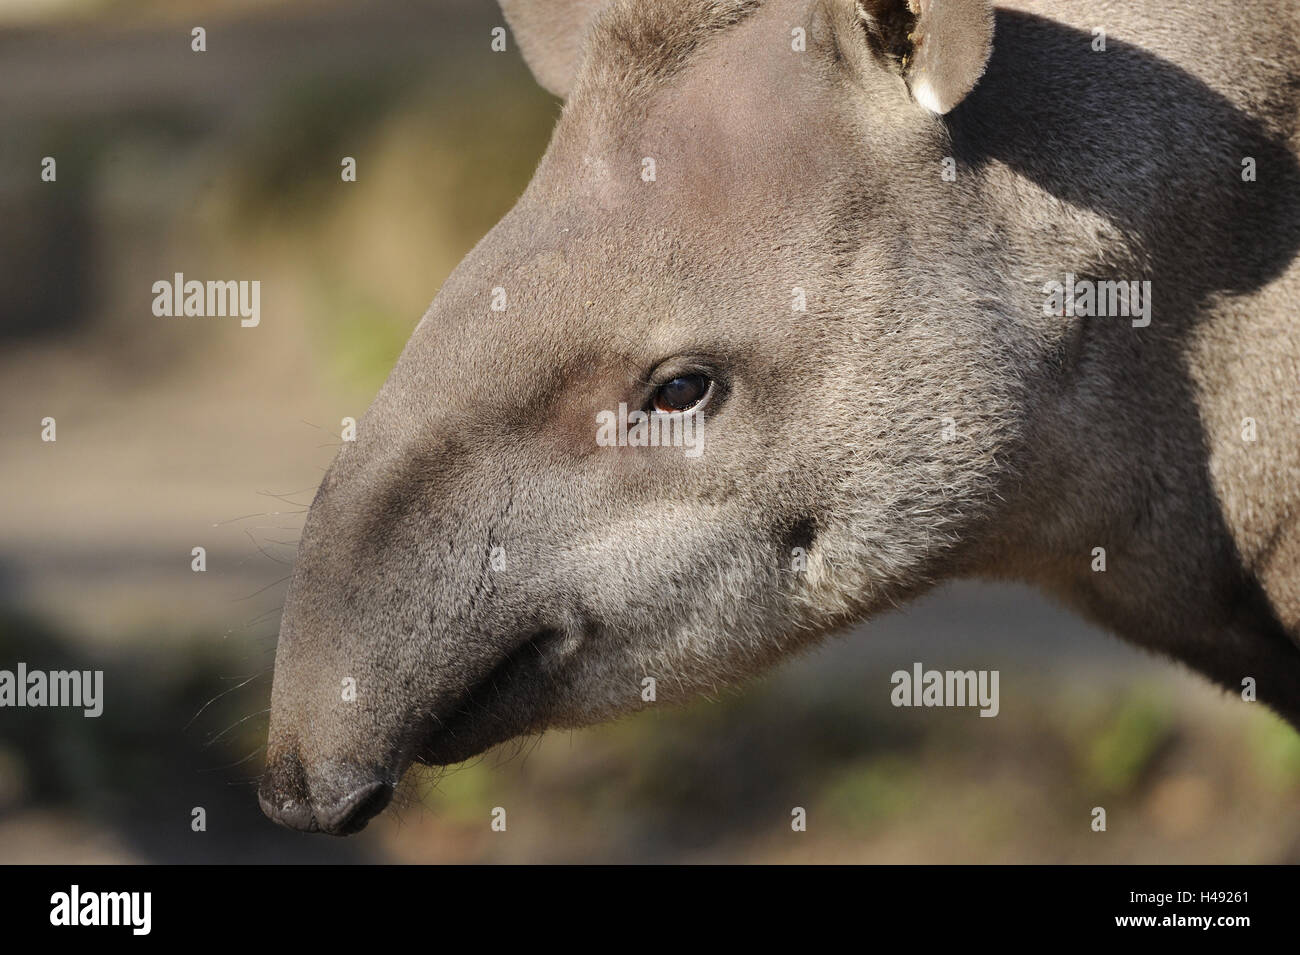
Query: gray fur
[[821, 170]]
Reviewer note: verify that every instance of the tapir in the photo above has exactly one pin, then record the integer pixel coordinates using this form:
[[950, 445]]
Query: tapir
[[944, 290]]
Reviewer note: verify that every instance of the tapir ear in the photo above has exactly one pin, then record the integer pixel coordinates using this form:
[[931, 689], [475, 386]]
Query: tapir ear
[[940, 47], [550, 35]]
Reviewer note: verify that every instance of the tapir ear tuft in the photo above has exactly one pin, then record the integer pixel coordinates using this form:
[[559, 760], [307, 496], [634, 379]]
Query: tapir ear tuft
[[550, 34], [940, 47]]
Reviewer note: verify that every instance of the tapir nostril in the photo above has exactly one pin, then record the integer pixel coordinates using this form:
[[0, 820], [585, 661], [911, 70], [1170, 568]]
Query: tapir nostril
[[294, 814], [286, 797], [342, 818]]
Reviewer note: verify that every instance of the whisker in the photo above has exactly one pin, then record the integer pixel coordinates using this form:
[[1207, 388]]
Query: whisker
[[255, 620], [316, 426], [220, 695], [218, 769], [266, 588], [283, 497], [235, 724], [263, 550]]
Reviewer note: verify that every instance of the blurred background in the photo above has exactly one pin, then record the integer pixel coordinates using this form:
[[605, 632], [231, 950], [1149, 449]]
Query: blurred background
[[174, 434]]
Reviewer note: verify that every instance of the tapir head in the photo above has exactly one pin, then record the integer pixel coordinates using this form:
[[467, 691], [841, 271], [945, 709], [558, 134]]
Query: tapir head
[[686, 408]]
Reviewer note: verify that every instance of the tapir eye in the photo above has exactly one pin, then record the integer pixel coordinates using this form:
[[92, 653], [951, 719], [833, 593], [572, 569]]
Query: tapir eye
[[681, 394]]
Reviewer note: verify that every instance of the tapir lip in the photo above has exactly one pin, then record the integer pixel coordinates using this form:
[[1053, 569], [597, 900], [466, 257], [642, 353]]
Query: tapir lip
[[357, 809], [496, 708]]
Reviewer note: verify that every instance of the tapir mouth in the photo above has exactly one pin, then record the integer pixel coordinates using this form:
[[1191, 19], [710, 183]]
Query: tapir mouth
[[504, 704]]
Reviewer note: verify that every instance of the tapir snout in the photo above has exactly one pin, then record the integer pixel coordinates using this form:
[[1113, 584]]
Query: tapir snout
[[407, 635]]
